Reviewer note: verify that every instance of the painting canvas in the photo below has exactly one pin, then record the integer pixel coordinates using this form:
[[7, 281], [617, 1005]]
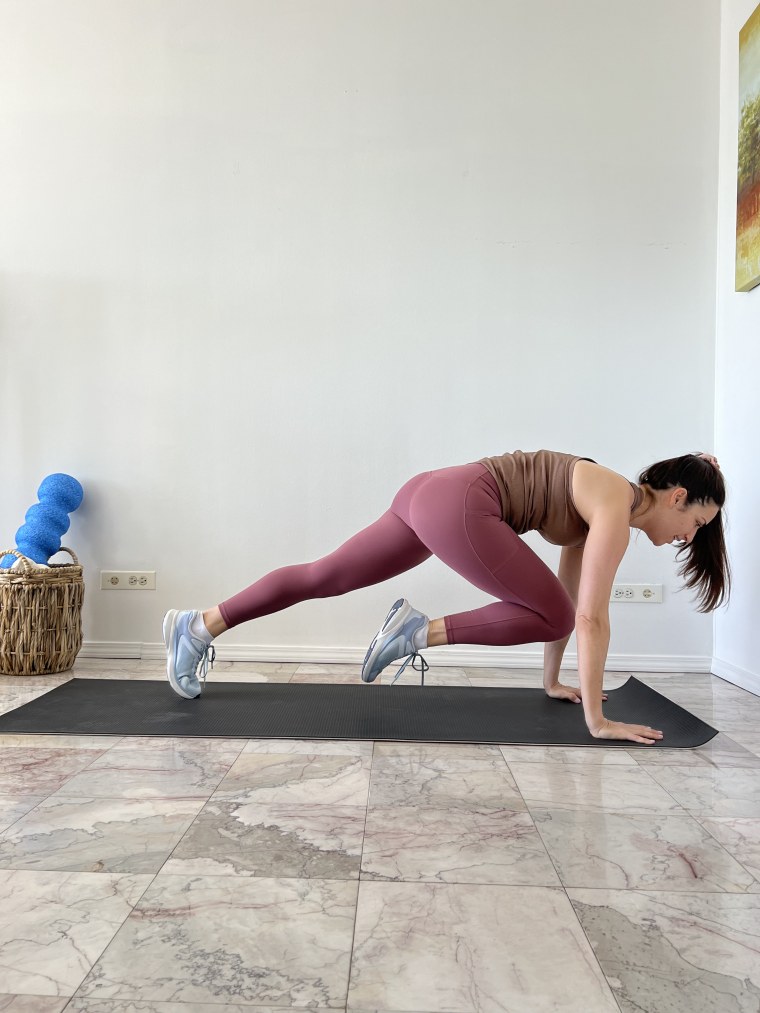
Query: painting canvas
[[748, 183]]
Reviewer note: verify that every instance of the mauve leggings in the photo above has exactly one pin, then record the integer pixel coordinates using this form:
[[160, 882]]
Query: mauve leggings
[[453, 513]]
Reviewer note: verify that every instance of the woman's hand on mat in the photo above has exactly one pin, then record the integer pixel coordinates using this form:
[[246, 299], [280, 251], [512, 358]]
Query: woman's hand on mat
[[620, 730], [560, 692]]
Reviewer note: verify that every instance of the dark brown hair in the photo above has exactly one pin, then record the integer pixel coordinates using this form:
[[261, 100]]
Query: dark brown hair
[[706, 565]]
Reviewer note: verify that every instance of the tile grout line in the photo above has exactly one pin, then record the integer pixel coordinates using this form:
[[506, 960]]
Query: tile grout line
[[47, 797], [698, 821], [564, 888], [359, 878], [153, 877]]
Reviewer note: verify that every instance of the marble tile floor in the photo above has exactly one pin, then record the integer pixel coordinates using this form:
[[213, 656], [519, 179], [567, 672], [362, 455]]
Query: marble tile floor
[[156, 875]]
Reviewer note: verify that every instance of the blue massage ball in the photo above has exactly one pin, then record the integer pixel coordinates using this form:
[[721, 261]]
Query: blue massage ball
[[51, 515], [38, 540], [40, 536], [62, 490]]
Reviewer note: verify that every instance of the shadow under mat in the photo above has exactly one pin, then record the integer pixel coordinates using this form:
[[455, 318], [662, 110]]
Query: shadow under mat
[[506, 716]]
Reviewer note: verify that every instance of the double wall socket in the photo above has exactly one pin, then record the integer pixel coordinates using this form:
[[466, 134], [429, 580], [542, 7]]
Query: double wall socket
[[128, 580], [648, 593]]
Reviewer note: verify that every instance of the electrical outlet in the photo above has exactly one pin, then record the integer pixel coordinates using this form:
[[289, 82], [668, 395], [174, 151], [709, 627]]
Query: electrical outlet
[[642, 593], [128, 580]]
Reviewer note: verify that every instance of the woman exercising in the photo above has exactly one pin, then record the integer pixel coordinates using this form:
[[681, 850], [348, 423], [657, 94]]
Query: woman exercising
[[471, 517]]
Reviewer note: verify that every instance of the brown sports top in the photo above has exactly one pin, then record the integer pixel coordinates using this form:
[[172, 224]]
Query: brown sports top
[[536, 492]]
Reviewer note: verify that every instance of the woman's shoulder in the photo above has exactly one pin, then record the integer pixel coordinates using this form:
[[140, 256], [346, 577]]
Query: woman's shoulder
[[596, 487]]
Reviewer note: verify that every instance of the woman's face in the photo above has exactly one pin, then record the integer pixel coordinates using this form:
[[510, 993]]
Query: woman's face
[[673, 521]]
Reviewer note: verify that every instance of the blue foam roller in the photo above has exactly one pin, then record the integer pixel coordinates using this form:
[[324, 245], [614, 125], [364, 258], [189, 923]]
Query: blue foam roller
[[39, 537]]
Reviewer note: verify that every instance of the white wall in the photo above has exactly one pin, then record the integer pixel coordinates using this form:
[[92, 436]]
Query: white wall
[[261, 262], [737, 642]]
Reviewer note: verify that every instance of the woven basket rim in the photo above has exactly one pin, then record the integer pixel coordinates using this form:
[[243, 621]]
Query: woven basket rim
[[54, 570], [52, 573]]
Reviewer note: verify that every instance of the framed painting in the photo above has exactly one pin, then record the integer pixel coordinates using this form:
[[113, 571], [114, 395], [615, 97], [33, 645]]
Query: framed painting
[[748, 182]]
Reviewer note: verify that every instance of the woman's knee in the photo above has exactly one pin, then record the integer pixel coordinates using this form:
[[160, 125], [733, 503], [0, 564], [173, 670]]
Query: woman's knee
[[561, 617], [324, 578]]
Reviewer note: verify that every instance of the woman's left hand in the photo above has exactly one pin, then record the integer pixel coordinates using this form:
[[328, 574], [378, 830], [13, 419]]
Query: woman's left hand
[[560, 692]]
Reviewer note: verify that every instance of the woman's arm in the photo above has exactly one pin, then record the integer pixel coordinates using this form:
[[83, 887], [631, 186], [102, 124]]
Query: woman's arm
[[605, 547], [569, 574]]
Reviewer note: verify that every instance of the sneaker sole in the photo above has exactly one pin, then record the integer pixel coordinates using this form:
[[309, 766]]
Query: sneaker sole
[[169, 626], [369, 656]]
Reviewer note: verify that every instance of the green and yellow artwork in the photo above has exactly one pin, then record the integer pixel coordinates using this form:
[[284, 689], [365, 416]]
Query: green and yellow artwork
[[748, 183]]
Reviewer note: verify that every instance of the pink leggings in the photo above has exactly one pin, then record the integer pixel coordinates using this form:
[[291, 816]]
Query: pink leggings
[[455, 514]]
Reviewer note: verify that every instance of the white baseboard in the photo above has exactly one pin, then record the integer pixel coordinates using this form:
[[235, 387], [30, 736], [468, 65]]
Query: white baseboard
[[111, 649], [457, 656], [737, 676]]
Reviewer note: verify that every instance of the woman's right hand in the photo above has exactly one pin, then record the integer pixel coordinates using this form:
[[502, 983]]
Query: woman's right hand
[[620, 730]]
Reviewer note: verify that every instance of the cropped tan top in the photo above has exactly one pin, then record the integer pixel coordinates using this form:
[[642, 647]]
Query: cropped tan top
[[536, 492]]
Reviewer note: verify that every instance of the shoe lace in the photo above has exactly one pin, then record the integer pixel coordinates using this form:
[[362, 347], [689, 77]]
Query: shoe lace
[[422, 669], [208, 657]]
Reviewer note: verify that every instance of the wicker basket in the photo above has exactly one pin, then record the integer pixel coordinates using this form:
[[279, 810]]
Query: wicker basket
[[40, 617]]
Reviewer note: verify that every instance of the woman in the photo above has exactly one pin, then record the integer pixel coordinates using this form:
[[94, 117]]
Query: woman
[[471, 517]]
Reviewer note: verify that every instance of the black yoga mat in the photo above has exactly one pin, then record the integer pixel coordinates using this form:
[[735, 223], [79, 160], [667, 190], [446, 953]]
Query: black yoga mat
[[328, 711]]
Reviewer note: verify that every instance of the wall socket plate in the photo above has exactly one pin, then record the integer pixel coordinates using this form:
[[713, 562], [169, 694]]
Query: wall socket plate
[[649, 594], [127, 580]]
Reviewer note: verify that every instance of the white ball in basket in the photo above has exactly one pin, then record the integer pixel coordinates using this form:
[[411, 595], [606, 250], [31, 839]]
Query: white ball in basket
[[19, 565]]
